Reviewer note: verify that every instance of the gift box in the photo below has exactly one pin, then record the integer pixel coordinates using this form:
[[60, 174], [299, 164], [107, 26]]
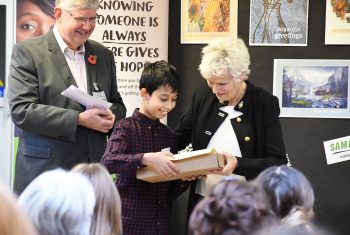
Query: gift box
[[194, 163]]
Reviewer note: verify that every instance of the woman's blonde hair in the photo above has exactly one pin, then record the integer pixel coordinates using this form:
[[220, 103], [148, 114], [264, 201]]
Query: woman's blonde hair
[[107, 212], [13, 221], [225, 56]]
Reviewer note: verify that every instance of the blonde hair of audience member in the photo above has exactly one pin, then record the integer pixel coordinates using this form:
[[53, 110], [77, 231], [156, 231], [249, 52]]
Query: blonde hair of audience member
[[233, 207], [59, 203], [80, 4], [293, 230], [225, 56], [13, 220], [290, 194], [107, 212]]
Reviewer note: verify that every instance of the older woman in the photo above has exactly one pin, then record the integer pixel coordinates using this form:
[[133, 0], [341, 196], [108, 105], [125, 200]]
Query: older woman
[[232, 115]]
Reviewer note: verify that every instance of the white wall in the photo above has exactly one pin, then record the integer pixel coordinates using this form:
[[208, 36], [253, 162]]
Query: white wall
[[6, 128]]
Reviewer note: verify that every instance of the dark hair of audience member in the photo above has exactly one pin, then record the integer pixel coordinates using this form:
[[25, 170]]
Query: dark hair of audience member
[[290, 194], [233, 207]]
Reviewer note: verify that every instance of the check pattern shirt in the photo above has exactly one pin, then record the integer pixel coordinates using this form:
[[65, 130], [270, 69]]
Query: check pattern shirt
[[145, 206]]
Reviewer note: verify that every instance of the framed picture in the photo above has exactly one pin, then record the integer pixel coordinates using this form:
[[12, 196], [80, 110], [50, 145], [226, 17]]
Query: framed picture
[[2, 48], [337, 30], [274, 23], [205, 20], [312, 88]]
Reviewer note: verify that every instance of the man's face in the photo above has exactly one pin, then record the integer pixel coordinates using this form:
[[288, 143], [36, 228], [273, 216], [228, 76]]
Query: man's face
[[75, 26]]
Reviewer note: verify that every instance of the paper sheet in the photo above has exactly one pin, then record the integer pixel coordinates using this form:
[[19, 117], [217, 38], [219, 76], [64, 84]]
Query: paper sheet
[[85, 99]]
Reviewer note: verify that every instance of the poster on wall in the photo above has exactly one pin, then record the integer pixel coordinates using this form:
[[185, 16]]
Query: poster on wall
[[337, 22], [337, 150], [205, 20], [312, 88], [2, 52], [136, 32], [278, 23]]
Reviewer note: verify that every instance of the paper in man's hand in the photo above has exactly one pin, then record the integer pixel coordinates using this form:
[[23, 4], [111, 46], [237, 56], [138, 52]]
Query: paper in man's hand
[[85, 99]]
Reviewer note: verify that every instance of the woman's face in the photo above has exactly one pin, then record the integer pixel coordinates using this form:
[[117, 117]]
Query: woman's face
[[226, 88], [32, 21]]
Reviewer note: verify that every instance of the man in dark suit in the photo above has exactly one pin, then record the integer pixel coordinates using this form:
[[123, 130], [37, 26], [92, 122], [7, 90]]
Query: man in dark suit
[[56, 131]]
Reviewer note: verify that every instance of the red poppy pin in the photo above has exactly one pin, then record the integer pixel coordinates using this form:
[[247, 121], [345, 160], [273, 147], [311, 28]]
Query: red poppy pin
[[92, 59]]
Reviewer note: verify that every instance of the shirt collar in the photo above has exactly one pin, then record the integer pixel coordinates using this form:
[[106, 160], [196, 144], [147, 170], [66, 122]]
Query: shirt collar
[[144, 119], [63, 46]]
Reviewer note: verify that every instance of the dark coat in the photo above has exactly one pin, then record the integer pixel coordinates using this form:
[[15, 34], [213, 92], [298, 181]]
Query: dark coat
[[258, 130], [49, 135]]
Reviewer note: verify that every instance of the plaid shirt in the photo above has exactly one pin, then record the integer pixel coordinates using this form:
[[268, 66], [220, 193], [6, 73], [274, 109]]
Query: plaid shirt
[[145, 206]]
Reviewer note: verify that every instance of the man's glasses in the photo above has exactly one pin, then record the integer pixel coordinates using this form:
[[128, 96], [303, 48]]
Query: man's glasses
[[83, 20]]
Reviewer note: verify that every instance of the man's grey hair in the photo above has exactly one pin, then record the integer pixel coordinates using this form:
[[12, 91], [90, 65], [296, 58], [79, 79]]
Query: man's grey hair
[[76, 4]]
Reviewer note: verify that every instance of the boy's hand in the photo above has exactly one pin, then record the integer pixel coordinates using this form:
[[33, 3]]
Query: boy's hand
[[161, 162]]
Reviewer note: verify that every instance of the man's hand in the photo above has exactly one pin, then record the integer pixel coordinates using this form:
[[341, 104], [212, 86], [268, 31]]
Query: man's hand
[[161, 162], [97, 119]]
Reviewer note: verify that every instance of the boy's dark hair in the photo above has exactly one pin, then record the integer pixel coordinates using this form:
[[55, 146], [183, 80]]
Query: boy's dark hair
[[159, 73]]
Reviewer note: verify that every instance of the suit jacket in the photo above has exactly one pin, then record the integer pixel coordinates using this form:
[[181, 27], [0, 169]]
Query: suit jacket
[[258, 130], [49, 135]]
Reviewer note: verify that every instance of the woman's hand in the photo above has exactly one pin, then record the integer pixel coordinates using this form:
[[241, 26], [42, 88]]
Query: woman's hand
[[231, 165]]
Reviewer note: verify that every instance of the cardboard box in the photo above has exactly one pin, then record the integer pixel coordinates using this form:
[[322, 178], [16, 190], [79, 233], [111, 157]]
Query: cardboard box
[[194, 163]]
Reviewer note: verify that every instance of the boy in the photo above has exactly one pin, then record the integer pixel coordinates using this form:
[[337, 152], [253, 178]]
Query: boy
[[142, 140]]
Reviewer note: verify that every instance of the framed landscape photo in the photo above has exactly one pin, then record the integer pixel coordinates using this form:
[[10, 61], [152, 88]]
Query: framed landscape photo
[[204, 20], [312, 88]]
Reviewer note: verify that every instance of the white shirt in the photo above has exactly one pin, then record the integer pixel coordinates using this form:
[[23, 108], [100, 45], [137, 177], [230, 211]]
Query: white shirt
[[224, 139], [75, 60]]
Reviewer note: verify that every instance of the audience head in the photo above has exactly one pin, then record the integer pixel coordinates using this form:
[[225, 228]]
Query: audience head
[[59, 203], [13, 220], [290, 194], [107, 212], [225, 56], [233, 207], [293, 230]]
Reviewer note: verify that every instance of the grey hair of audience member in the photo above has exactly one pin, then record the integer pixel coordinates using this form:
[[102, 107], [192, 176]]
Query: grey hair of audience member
[[77, 4], [290, 194], [233, 207], [225, 56], [59, 203]]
